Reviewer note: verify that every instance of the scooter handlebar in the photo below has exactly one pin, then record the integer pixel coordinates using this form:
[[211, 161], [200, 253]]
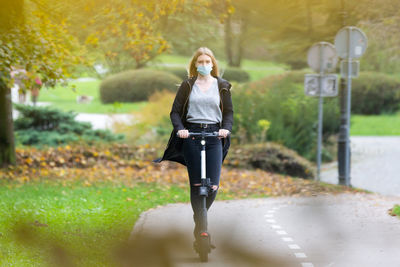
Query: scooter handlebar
[[205, 134]]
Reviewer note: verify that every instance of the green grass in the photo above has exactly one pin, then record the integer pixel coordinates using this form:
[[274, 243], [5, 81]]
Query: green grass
[[86, 221], [375, 125], [174, 59], [64, 98], [396, 210], [256, 69]]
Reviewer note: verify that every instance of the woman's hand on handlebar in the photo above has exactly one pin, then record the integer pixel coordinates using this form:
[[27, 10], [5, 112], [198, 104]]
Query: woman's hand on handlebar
[[183, 133], [223, 133]]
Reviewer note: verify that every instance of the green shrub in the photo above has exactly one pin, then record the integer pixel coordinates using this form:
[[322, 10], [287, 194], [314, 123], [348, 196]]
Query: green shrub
[[149, 127], [38, 126], [280, 99], [236, 75], [177, 71], [375, 93], [297, 64], [270, 157], [136, 85]]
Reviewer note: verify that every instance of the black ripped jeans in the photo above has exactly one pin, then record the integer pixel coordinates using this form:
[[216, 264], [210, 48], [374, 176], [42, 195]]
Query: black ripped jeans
[[191, 152]]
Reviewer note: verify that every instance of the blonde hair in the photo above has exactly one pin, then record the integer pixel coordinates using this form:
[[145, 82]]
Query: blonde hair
[[203, 51]]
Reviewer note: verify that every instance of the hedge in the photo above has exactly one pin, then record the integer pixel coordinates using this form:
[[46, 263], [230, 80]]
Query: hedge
[[136, 85]]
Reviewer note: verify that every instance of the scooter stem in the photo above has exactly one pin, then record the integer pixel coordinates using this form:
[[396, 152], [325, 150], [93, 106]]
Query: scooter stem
[[203, 158]]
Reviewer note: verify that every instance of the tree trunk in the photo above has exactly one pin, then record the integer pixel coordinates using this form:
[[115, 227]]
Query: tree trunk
[[309, 20], [11, 15], [228, 40], [242, 37], [7, 146]]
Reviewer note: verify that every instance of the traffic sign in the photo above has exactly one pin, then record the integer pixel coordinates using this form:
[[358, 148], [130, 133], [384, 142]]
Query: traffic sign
[[350, 42], [322, 57], [314, 82]]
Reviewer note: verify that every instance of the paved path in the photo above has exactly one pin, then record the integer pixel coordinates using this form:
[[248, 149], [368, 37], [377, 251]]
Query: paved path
[[344, 230], [103, 121], [374, 165]]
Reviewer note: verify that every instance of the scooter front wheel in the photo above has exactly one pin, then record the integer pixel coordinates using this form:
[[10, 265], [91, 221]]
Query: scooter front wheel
[[204, 247]]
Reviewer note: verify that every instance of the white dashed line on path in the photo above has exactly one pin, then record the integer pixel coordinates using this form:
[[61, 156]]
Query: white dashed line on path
[[294, 246], [300, 255], [281, 232]]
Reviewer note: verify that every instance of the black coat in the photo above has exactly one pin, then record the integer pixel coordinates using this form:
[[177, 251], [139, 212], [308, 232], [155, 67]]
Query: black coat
[[173, 152]]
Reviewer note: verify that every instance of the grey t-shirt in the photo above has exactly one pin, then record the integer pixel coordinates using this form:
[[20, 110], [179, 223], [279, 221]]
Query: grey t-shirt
[[204, 106]]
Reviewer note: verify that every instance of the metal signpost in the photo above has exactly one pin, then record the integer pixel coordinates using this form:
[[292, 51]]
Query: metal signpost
[[350, 43], [321, 58], [355, 68]]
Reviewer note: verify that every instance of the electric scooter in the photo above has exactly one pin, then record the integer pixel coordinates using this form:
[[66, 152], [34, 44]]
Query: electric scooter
[[203, 242]]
